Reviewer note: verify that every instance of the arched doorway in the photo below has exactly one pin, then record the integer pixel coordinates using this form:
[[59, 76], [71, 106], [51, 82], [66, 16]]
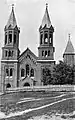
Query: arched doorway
[[26, 84], [8, 85]]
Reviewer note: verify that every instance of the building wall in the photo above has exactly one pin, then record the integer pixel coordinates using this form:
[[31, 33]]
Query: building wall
[[28, 59], [69, 59], [50, 57], [12, 80]]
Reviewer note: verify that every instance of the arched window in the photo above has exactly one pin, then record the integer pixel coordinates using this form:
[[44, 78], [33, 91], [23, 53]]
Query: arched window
[[49, 53], [14, 38], [7, 72], [10, 38], [22, 72], [32, 73], [6, 53], [42, 53], [10, 54], [45, 53], [5, 39], [27, 69], [46, 38], [50, 40], [11, 72], [41, 37], [8, 85]]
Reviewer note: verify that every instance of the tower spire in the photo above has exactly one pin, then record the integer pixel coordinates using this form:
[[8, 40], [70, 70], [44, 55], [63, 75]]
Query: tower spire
[[12, 20], [69, 48], [46, 19]]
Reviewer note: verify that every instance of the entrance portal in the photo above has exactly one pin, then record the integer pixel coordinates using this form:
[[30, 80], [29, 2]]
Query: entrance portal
[[8, 85], [26, 84]]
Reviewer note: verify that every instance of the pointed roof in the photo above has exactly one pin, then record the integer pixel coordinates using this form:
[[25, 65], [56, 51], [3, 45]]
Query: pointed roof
[[69, 48], [28, 50], [46, 19], [12, 20]]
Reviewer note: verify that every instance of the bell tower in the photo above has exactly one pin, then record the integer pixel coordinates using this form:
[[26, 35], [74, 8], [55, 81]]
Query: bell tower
[[10, 53], [46, 49]]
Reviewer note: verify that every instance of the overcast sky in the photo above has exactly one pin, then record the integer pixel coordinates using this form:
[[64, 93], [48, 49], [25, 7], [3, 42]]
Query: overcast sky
[[29, 14]]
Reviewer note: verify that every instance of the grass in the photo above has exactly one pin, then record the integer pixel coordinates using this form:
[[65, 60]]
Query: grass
[[63, 107], [11, 99]]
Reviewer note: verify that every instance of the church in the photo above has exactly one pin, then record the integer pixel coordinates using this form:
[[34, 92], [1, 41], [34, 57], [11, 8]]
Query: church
[[25, 69]]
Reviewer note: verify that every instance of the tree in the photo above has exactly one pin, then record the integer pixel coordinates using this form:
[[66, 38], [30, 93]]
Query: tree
[[63, 74], [46, 76]]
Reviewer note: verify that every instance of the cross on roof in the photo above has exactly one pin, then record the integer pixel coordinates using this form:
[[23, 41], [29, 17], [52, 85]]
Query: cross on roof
[[69, 36], [46, 5], [12, 6]]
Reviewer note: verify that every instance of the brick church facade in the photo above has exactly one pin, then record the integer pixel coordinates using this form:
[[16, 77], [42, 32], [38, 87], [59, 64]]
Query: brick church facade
[[18, 70]]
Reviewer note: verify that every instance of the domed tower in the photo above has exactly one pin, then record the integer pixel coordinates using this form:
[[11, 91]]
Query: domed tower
[[46, 49], [10, 53]]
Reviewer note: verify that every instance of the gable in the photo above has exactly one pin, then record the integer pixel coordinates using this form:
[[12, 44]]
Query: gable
[[28, 55]]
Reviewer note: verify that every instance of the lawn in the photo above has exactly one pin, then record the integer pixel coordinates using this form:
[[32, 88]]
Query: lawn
[[13, 98], [14, 103]]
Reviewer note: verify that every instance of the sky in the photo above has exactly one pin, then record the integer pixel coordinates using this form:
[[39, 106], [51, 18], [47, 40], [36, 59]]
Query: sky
[[29, 14]]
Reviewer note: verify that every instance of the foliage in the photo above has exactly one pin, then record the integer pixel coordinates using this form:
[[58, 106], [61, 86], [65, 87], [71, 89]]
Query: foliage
[[63, 74], [46, 76]]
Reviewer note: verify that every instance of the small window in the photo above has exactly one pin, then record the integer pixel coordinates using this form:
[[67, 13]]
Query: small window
[[27, 69], [49, 53], [42, 53], [10, 38], [32, 73], [10, 54], [46, 38], [41, 37], [22, 72], [11, 72], [6, 53], [14, 39], [7, 72], [5, 39], [46, 53], [50, 40]]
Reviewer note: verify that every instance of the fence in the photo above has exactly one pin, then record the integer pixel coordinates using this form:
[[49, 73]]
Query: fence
[[44, 88]]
